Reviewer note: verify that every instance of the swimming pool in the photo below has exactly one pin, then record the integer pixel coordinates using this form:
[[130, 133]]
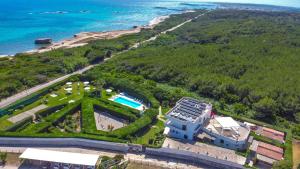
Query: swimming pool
[[127, 102]]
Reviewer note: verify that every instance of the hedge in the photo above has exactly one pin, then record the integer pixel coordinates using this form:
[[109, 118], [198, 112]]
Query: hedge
[[116, 111], [37, 128], [133, 90], [114, 104], [136, 126], [49, 110], [60, 135], [20, 125], [87, 116], [58, 116], [31, 98], [53, 119]]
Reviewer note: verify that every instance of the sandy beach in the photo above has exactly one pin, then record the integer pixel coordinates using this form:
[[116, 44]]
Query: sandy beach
[[83, 38]]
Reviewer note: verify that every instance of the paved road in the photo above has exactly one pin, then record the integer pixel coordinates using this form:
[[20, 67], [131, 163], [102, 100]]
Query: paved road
[[14, 98]]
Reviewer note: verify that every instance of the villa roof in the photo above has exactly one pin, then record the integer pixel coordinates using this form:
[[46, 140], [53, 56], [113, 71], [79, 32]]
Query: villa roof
[[273, 134], [60, 157], [267, 150], [227, 122], [188, 109]]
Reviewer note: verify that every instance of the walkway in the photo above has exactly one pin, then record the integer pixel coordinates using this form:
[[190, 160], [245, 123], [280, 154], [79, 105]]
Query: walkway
[[14, 98], [26, 114]]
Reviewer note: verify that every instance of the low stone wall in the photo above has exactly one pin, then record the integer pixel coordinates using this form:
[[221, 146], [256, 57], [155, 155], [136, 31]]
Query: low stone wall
[[119, 147], [63, 142], [193, 157]]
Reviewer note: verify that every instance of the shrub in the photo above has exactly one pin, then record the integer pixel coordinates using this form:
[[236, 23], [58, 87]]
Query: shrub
[[19, 125], [136, 126]]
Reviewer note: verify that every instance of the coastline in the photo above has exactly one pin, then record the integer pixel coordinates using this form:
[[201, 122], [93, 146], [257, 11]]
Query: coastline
[[82, 38]]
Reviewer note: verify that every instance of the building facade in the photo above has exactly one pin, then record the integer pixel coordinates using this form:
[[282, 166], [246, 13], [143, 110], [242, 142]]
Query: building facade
[[186, 118], [190, 119]]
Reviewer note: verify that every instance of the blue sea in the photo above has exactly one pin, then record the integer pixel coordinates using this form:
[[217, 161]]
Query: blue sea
[[23, 21]]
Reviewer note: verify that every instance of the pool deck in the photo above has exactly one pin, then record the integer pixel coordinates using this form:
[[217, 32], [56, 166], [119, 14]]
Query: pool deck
[[142, 107]]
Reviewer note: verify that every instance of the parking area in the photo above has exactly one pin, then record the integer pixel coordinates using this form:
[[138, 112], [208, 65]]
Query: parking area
[[108, 122], [206, 149]]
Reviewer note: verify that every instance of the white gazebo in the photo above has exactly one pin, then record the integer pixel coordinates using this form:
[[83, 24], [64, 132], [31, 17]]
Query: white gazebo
[[39, 155]]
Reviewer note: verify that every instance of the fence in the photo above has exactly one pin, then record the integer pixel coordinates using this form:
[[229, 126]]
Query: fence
[[182, 155]]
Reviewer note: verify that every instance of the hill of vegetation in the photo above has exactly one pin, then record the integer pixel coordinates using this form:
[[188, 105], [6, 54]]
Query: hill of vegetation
[[246, 58], [27, 70]]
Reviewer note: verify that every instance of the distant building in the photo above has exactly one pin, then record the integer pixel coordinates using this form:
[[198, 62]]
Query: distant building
[[191, 119], [186, 118], [270, 133], [227, 133], [265, 153]]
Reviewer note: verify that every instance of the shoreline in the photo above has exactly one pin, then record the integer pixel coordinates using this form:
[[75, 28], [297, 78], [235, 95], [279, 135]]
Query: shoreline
[[83, 38]]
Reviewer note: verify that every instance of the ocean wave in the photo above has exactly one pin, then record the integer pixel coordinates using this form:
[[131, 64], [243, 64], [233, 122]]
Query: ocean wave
[[55, 12], [197, 4], [170, 9]]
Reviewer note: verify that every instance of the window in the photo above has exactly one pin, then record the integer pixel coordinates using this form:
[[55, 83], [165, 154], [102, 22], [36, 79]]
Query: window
[[183, 127], [222, 141], [185, 136]]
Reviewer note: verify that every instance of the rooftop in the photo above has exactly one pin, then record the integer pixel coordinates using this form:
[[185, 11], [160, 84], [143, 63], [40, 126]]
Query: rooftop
[[267, 150], [188, 109], [228, 127], [273, 134], [60, 157]]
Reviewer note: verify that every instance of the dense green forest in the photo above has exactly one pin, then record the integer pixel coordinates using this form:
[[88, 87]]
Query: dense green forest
[[246, 58], [27, 70]]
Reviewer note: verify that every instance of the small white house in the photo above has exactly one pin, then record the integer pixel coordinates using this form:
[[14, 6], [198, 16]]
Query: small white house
[[186, 118], [191, 119]]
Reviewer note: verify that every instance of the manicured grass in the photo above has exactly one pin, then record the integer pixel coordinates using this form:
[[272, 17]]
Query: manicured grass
[[62, 97], [151, 133]]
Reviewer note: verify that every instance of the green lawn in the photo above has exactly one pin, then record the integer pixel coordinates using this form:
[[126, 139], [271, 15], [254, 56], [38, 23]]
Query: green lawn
[[157, 127], [62, 97]]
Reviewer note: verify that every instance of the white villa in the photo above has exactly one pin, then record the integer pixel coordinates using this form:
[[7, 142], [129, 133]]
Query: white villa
[[186, 118], [192, 119]]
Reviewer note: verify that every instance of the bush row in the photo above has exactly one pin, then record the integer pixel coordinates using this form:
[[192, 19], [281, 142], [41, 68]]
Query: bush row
[[49, 110], [114, 104], [52, 119], [133, 89], [116, 111], [19, 125], [60, 135], [87, 117], [147, 118], [58, 116]]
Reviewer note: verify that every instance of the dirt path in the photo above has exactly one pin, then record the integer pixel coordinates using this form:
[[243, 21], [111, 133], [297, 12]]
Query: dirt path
[[14, 98], [296, 153]]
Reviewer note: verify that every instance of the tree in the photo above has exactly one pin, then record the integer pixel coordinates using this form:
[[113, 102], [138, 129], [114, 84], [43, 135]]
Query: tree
[[239, 108], [99, 86], [266, 107], [297, 117], [108, 54]]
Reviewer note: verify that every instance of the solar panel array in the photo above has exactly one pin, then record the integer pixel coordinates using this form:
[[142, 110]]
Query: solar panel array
[[188, 109]]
